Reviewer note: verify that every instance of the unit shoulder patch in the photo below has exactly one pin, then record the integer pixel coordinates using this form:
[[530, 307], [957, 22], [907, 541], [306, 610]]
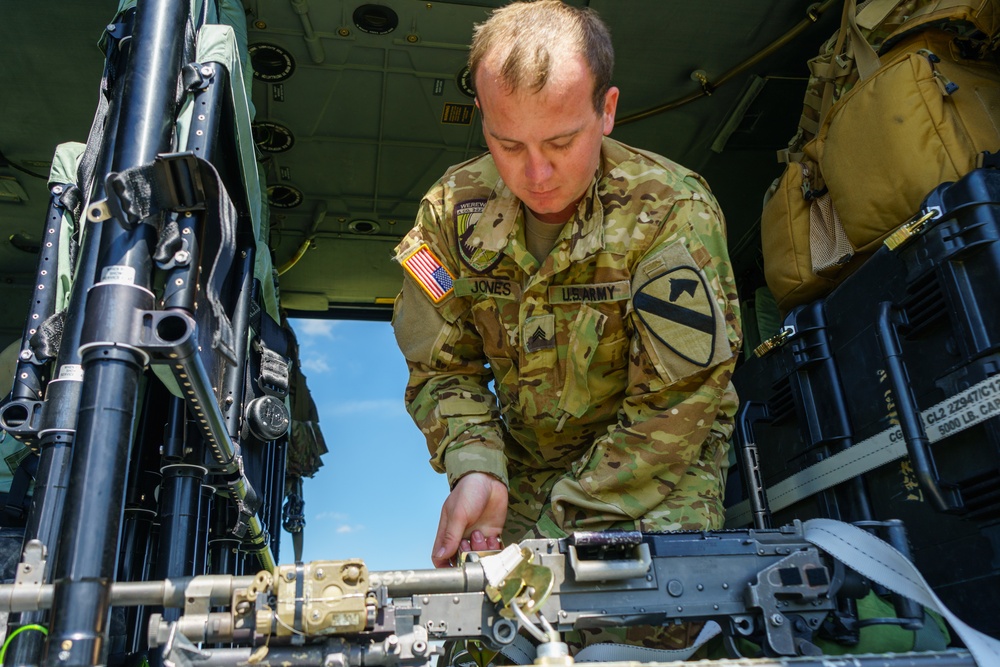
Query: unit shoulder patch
[[425, 268], [467, 215], [677, 308]]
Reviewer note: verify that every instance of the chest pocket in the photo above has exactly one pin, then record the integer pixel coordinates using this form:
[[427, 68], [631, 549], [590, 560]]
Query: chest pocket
[[583, 347]]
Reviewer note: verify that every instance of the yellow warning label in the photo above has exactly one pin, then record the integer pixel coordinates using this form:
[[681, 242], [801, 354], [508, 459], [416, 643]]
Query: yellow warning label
[[457, 114]]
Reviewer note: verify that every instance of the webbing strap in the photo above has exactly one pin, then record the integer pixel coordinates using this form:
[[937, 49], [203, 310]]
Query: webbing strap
[[608, 652], [520, 651], [299, 602], [976, 404], [875, 12], [864, 55], [878, 561]]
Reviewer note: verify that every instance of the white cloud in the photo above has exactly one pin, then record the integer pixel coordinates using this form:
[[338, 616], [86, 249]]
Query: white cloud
[[314, 328], [346, 528], [313, 364]]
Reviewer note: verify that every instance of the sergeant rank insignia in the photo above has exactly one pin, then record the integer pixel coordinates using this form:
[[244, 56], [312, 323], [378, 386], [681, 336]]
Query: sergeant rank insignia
[[467, 214], [678, 310], [429, 273]]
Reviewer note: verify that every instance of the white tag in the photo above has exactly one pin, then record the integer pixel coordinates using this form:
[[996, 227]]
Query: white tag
[[123, 275], [71, 372]]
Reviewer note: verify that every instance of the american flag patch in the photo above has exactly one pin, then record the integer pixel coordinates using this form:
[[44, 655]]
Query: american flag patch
[[427, 270]]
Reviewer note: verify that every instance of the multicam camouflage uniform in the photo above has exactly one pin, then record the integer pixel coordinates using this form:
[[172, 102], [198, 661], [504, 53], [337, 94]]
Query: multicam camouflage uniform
[[611, 358]]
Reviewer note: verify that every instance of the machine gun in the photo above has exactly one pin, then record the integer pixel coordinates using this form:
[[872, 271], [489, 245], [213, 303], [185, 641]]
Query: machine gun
[[772, 587]]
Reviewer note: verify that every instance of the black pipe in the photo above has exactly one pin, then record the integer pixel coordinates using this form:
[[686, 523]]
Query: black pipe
[[138, 541], [223, 546], [943, 497], [180, 509], [85, 562], [750, 413], [62, 394], [59, 415], [233, 384], [88, 544], [201, 548]]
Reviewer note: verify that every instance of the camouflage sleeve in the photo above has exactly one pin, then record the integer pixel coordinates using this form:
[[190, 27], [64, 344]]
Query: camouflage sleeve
[[447, 393], [667, 454]]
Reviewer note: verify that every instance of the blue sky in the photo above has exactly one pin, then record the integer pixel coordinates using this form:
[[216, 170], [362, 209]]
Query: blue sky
[[376, 497]]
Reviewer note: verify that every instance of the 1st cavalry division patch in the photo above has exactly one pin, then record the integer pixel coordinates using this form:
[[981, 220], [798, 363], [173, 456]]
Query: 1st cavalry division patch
[[678, 310], [429, 273]]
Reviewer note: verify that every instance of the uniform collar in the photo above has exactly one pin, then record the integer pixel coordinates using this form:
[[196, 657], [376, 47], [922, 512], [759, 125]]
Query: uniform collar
[[497, 227]]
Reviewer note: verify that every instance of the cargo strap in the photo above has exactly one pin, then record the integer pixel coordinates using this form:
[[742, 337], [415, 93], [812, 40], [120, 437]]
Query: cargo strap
[[609, 652], [975, 405], [881, 563], [859, 550]]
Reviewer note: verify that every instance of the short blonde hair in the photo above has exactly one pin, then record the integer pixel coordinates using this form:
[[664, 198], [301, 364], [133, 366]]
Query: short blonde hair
[[523, 36]]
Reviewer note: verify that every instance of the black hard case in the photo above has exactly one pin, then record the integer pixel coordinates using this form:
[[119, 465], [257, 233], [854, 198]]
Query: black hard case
[[830, 386]]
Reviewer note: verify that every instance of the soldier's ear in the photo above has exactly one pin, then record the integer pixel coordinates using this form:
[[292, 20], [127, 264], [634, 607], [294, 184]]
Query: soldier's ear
[[610, 106]]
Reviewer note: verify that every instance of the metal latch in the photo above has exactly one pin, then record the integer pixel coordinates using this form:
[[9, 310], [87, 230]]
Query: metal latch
[[774, 341], [910, 229]]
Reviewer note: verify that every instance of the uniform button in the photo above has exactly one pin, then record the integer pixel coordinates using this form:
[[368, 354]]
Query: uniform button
[[696, 196]]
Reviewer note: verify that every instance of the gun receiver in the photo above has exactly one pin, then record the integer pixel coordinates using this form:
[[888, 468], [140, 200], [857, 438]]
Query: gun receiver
[[769, 586]]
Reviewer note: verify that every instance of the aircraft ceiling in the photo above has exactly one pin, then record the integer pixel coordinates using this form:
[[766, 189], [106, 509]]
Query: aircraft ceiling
[[360, 107]]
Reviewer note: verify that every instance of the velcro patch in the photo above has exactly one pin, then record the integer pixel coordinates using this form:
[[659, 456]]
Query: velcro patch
[[467, 214], [679, 311], [539, 333], [597, 292], [429, 273], [498, 288]]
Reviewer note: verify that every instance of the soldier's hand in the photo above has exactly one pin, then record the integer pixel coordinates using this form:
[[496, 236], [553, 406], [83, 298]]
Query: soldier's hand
[[472, 517]]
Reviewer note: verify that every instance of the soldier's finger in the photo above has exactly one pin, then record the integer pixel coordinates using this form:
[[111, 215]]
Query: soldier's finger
[[449, 533], [493, 544], [478, 541]]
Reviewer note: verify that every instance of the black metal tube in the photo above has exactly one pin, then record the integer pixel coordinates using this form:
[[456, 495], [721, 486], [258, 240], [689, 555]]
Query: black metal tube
[[223, 547], [62, 394], [88, 545], [180, 509], [753, 480], [46, 508], [86, 556], [944, 498], [236, 376], [174, 431], [136, 533], [30, 377], [201, 548]]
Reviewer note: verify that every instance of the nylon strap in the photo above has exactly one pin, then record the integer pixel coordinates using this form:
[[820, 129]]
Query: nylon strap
[[972, 406], [520, 651], [299, 593], [608, 652], [273, 378], [881, 563]]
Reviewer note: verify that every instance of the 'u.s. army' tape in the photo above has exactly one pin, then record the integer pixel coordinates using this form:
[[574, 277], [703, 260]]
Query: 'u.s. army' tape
[[952, 415]]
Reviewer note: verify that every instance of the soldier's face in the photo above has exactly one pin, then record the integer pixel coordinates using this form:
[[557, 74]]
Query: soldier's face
[[546, 145]]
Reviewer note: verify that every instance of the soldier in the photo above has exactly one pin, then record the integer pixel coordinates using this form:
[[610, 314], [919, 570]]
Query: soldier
[[590, 283]]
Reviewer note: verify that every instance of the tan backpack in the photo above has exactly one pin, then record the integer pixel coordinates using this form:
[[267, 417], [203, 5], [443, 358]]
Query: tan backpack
[[878, 132]]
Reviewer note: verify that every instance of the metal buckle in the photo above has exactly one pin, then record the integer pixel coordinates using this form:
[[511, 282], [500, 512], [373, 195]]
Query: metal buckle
[[910, 229], [774, 341]]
